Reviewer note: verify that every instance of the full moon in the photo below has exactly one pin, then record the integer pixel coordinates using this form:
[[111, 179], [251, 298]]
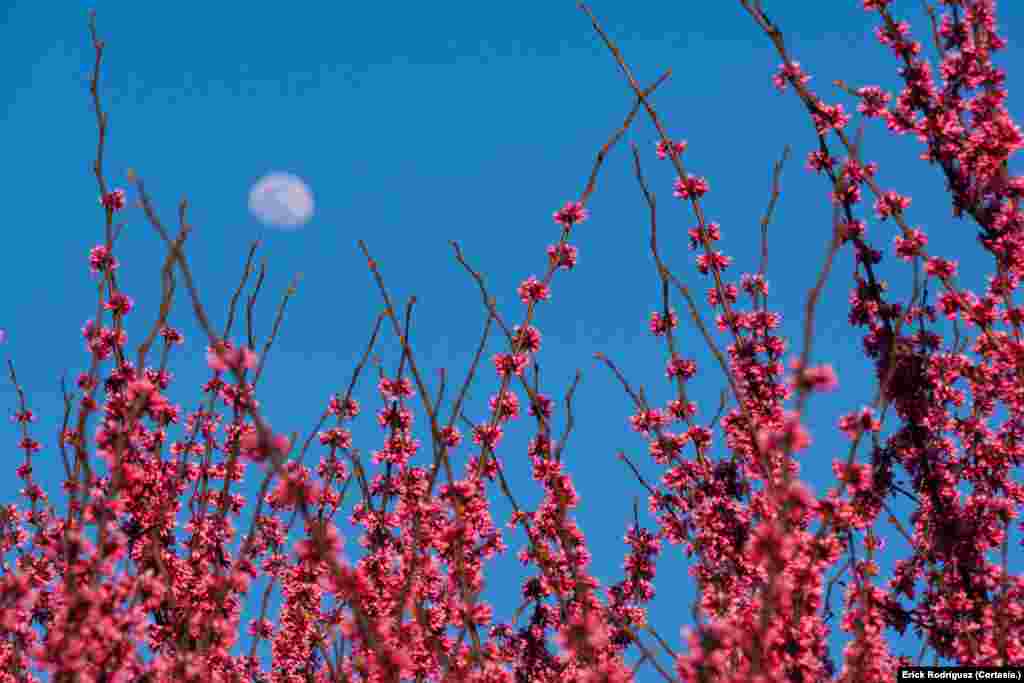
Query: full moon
[[281, 200]]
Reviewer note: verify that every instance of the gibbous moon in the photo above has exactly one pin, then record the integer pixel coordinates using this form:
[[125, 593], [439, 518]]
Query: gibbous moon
[[281, 200]]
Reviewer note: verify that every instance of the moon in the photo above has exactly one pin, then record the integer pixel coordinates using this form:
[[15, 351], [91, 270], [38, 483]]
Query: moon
[[281, 200]]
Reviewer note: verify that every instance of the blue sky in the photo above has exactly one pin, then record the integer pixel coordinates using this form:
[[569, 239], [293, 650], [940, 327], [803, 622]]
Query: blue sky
[[419, 123]]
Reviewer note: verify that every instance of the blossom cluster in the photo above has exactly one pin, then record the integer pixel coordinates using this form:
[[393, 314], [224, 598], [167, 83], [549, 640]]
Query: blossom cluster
[[381, 556]]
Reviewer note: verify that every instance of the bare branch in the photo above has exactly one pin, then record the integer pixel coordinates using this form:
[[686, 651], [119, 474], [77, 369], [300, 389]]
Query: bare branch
[[766, 219], [246, 272]]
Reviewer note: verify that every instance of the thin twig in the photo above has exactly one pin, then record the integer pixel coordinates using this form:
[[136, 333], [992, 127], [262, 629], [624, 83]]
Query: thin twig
[[766, 219], [246, 272]]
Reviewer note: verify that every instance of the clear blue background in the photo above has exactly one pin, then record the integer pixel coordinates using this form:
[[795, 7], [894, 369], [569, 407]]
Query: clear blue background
[[419, 123]]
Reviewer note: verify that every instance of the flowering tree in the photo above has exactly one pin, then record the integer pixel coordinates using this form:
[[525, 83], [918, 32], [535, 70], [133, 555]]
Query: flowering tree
[[142, 577]]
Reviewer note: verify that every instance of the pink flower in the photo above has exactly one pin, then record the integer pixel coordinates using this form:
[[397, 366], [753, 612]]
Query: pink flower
[[507, 364], [114, 200], [716, 260], [450, 436], [890, 204], [394, 389], [692, 187], [226, 357], [533, 290], [909, 247], [172, 336], [648, 420], [336, 438], [562, 255], [940, 268], [660, 324], [257, 449], [673, 148], [821, 378], [119, 303], [855, 423], [873, 101], [487, 436], [819, 161], [790, 73], [507, 409], [345, 409], [101, 260], [571, 214], [528, 338], [680, 367], [830, 118]]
